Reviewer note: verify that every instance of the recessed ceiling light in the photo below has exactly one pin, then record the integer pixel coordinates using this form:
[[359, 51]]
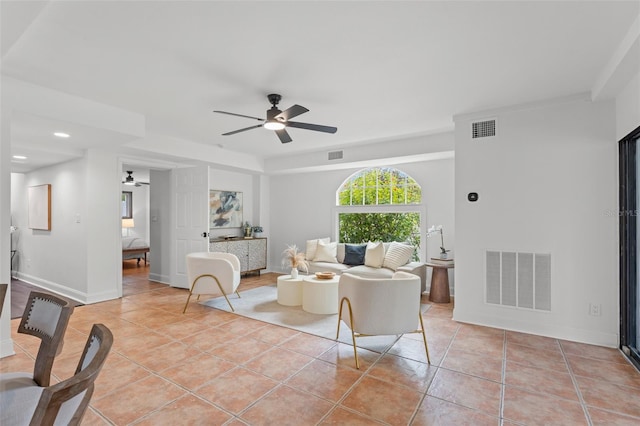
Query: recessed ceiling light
[[61, 134], [19, 157]]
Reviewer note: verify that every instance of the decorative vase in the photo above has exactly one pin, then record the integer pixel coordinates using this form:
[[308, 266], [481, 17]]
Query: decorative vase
[[294, 273]]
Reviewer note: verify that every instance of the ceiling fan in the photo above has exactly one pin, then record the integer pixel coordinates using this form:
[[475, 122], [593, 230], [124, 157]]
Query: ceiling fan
[[129, 180], [278, 120]]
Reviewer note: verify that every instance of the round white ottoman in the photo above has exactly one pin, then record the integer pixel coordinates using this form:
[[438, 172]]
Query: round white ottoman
[[320, 296], [290, 290]]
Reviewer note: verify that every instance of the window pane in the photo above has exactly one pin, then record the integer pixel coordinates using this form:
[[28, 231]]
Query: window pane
[[358, 228]]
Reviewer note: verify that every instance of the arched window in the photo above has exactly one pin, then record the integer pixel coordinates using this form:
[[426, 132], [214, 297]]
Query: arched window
[[378, 186], [379, 204]]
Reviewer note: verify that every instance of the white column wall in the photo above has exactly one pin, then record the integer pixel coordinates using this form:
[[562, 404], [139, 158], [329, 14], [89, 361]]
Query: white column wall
[[628, 108], [6, 343], [547, 184], [160, 225], [103, 226]]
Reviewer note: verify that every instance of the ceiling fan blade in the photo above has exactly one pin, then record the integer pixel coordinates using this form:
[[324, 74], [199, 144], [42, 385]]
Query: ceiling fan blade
[[316, 127], [283, 135], [288, 113], [242, 130], [240, 115]]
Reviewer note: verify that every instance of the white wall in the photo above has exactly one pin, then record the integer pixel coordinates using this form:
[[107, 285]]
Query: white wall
[[55, 259], [160, 226], [303, 206], [78, 257], [547, 184], [628, 108]]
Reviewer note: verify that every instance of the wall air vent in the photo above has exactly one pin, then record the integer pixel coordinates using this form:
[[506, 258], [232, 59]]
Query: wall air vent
[[483, 129], [519, 280], [335, 155]]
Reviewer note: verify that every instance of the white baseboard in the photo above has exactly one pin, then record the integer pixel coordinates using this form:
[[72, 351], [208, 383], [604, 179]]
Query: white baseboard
[[159, 278], [610, 340], [76, 295]]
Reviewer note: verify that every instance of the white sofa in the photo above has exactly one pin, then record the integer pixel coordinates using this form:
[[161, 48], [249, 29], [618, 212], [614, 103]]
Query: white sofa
[[338, 267]]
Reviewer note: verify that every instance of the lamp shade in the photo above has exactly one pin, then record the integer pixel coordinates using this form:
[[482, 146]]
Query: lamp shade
[[127, 223]]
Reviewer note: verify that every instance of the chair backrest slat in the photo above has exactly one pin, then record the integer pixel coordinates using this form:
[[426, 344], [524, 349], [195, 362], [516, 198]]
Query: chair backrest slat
[[46, 316]]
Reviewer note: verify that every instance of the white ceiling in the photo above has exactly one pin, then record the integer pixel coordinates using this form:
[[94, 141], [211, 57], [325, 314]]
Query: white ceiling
[[376, 70]]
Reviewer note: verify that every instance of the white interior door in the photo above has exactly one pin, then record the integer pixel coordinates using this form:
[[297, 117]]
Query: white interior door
[[190, 218]]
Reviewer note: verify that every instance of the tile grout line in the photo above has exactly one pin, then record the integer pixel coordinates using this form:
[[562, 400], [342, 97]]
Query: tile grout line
[[583, 404], [438, 368]]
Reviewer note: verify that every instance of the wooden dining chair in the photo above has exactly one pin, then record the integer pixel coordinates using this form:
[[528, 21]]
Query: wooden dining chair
[[46, 317], [23, 402]]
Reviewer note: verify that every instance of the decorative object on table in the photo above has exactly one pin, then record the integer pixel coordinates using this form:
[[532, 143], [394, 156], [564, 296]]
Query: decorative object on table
[[257, 231], [247, 230], [325, 275], [40, 207], [294, 259], [225, 209], [435, 230]]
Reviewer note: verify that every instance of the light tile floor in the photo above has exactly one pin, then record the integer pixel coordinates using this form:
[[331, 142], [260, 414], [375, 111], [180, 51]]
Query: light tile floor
[[212, 367]]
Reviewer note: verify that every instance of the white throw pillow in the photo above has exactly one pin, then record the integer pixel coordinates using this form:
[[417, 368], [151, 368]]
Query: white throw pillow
[[397, 255], [312, 246], [326, 252], [374, 256]]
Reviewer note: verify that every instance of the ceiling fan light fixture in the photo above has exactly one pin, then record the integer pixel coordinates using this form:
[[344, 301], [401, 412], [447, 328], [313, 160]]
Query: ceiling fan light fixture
[[273, 125], [129, 179]]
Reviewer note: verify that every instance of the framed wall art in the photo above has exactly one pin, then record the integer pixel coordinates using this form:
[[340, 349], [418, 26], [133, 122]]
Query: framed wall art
[[40, 207], [225, 209]]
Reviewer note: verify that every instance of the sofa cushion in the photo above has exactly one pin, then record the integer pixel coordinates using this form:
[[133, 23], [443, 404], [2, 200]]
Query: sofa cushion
[[326, 252], [397, 255], [312, 246], [337, 268], [374, 255], [354, 254], [369, 272]]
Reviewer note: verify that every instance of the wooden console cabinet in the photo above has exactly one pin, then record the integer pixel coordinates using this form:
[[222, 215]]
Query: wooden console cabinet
[[251, 252]]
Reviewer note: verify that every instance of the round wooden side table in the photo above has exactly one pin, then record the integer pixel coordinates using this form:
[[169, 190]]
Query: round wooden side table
[[439, 292]]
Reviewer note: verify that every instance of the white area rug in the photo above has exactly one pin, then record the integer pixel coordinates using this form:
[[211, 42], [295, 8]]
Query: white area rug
[[261, 304]]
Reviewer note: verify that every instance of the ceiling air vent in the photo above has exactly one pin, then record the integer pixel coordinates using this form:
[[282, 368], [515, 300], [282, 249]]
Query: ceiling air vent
[[335, 155], [483, 129]]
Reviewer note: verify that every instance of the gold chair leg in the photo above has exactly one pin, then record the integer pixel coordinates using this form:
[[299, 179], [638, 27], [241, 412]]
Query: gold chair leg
[[353, 335], [187, 304], [339, 317], [219, 287], [238, 294], [424, 337]]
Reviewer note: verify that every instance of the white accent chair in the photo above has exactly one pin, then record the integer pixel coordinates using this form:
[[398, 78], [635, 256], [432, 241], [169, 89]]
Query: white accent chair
[[23, 402], [380, 307], [213, 273]]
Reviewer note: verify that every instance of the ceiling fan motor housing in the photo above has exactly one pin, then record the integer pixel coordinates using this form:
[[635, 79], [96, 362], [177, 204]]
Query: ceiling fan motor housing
[[274, 99]]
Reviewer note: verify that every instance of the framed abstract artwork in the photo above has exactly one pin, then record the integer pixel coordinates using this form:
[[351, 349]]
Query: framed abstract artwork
[[225, 209], [40, 207]]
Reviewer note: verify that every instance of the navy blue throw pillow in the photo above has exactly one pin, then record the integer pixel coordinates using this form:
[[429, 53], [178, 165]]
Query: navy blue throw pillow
[[354, 254]]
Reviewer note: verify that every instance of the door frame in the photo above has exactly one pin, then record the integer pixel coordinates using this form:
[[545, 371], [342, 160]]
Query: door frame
[[628, 230]]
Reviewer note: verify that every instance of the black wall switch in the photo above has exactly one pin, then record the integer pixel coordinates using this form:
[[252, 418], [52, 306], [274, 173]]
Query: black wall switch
[[472, 196]]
